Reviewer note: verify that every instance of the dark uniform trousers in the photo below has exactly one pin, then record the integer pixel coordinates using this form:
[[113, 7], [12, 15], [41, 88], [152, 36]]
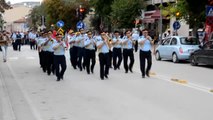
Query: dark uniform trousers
[[32, 44], [60, 60], [50, 62], [128, 53], [74, 56], [117, 54], [18, 43], [45, 61], [42, 60], [143, 56], [89, 56], [80, 57], [110, 58], [104, 64]]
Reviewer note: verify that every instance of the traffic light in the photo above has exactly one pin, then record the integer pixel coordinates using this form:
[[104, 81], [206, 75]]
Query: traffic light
[[82, 10], [81, 13], [177, 14]]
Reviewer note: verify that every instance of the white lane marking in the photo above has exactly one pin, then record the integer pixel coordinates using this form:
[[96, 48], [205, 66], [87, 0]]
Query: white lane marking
[[30, 58], [13, 58], [188, 84]]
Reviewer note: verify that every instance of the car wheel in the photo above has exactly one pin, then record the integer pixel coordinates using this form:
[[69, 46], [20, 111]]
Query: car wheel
[[193, 61], [157, 56], [175, 58]]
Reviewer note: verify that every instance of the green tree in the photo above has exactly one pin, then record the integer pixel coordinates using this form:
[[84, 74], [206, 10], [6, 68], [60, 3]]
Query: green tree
[[4, 6], [34, 19], [124, 12], [55, 10], [102, 13], [192, 12]]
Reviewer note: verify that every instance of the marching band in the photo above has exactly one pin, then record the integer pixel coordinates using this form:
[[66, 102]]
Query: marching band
[[84, 45]]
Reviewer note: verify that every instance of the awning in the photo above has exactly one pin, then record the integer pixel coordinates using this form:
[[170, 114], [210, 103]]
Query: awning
[[156, 14], [148, 20], [151, 16]]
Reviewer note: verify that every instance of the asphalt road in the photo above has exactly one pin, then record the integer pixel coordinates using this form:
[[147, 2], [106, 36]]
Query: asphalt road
[[174, 91]]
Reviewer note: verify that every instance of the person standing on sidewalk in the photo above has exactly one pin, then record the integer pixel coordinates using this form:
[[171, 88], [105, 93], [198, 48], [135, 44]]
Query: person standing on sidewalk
[[103, 49], [5, 40], [59, 48], [146, 44]]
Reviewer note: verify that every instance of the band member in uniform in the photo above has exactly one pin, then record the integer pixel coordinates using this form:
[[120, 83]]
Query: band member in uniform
[[116, 41], [103, 49], [128, 44], [145, 43], [89, 45], [49, 53], [80, 42], [18, 41], [59, 48], [71, 40], [40, 40]]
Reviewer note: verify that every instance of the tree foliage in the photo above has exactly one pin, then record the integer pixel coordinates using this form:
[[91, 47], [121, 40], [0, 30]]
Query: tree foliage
[[124, 12], [102, 11], [192, 12], [55, 10], [4, 6], [118, 13], [35, 16]]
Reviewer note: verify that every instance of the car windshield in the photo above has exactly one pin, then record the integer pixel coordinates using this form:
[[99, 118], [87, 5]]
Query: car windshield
[[189, 41]]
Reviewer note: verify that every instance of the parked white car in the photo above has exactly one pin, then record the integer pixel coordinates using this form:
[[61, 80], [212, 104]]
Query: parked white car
[[176, 48]]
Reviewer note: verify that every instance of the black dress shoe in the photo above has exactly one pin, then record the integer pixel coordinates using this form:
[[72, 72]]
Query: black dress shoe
[[126, 71], [62, 78], [147, 74], [143, 76], [58, 79], [106, 76], [102, 78], [131, 70]]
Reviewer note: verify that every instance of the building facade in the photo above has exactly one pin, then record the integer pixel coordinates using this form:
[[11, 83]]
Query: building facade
[[15, 18], [152, 18]]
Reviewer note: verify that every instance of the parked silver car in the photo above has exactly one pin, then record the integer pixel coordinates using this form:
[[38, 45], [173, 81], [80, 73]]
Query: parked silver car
[[176, 48]]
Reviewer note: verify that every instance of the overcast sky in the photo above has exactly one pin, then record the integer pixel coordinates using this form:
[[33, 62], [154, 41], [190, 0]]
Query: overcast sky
[[17, 1]]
